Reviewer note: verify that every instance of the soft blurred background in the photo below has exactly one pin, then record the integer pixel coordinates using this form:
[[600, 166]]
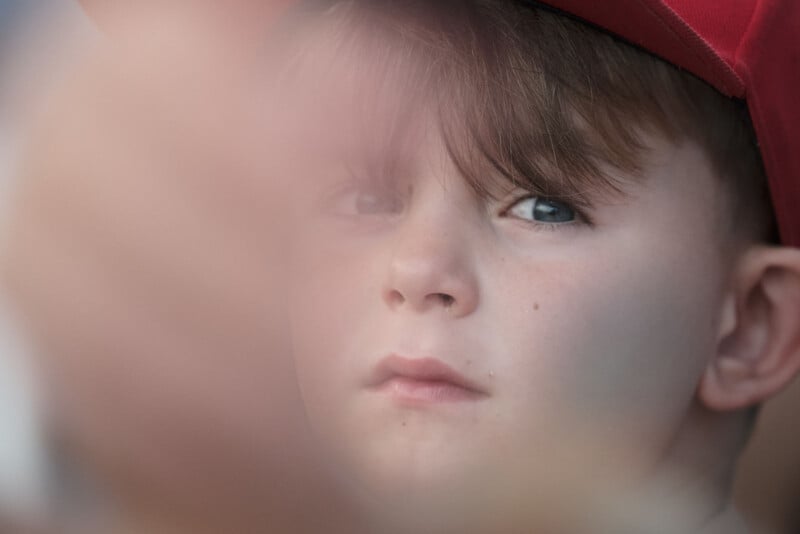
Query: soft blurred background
[[30, 34]]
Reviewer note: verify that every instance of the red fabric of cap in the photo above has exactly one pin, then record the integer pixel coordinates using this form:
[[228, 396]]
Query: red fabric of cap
[[746, 49]]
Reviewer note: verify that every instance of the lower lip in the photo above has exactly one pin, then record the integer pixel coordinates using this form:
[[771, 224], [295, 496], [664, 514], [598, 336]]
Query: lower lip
[[426, 391]]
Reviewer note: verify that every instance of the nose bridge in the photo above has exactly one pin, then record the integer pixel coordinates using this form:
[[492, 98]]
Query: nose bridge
[[431, 262]]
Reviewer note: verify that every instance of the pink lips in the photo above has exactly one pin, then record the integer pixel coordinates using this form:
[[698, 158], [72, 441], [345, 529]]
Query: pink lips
[[422, 380]]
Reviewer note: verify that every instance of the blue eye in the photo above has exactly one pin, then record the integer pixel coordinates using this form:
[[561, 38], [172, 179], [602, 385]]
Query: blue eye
[[542, 210]]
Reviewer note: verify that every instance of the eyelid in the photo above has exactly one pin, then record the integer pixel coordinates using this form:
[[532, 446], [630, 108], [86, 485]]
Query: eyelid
[[354, 187]]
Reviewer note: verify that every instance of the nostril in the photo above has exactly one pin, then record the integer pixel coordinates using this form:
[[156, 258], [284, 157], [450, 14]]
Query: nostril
[[395, 298], [446, 299]]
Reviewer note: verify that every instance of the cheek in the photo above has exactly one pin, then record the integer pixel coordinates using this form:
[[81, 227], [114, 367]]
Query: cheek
[[645, 339], [327, 317], [616, 344]]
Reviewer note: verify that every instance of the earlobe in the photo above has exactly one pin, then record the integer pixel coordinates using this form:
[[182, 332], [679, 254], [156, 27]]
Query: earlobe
[[758, 352]]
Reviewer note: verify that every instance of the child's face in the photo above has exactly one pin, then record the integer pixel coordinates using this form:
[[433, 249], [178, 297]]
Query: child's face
[[559, 335]]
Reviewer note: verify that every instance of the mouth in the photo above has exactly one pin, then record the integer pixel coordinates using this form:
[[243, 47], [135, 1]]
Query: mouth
[[422, 381]]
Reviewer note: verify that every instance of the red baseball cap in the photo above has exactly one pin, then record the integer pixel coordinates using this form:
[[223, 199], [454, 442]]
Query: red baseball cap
[[747, 49]]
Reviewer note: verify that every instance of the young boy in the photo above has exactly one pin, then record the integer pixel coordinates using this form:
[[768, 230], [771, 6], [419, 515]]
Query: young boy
[[539, 284]]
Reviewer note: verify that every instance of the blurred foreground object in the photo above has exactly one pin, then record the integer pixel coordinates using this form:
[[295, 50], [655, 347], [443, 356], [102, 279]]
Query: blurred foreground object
[[142, 255]]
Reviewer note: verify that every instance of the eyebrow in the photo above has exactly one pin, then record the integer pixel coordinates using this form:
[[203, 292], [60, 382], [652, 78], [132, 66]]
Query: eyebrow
[[494, 172]]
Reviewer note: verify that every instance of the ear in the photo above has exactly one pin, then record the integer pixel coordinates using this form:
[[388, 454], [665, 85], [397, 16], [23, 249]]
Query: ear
[[758, 352]]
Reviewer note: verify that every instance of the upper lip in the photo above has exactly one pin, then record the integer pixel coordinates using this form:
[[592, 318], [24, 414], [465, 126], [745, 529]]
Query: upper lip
[[422, 369]]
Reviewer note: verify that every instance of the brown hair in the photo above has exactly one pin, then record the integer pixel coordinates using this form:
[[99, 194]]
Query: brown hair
[[544, 101]]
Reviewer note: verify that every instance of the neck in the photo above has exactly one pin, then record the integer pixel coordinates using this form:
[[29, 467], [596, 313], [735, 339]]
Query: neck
[[695, 478]]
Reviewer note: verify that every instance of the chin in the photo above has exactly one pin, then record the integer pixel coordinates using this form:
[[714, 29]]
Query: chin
[[403, 501], [438, 495], [391, 465]]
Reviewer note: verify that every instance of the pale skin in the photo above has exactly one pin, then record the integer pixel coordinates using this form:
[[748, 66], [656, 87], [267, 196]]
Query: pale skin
[[624, 350]]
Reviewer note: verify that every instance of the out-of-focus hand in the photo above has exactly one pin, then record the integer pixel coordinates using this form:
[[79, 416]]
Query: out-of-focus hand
[[143, 252]]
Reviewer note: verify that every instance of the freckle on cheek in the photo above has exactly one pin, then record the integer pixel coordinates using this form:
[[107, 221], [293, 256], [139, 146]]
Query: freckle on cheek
[[536, 306]]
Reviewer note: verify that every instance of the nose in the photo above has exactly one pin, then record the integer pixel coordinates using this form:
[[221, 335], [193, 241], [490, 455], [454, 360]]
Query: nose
[[430, 270]]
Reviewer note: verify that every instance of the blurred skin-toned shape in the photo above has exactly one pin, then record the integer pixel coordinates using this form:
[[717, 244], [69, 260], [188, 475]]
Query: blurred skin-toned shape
[[142, 255]]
